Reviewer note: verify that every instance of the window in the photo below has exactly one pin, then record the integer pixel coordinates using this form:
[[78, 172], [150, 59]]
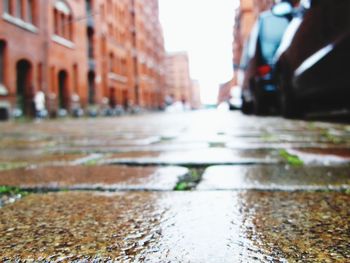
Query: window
[[89, 6], [118, 65], [19, 8], [110, 29], [124, 67], [63, 20], [30, 10], [6, 6], [271, 39], [2, 62], [111, 62], [55, 15], [22, 9], [102, 12], [75, 77], [40, 76], [90, 42]]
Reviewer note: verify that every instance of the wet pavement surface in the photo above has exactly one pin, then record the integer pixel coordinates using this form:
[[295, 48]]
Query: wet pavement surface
[[277, 177], [109, 189], [94, 177]]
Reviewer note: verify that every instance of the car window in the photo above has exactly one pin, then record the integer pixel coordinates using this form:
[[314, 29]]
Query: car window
[[272, 29], [288, 36]]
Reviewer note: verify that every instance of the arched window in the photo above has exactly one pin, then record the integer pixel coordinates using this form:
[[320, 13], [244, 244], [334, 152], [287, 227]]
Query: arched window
[[63, 20], [124, 67], [111, 62]]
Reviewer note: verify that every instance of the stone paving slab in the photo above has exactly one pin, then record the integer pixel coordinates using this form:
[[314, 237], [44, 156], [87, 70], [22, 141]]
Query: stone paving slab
[[115, 142], [41, 157], [202, 157], [323, 156], [299, 226], [94, 177], [209, 227], [275, 177], [244, 144]]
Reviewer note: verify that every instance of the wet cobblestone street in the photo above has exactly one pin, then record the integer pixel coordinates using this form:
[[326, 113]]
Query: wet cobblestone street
[[205, 186]]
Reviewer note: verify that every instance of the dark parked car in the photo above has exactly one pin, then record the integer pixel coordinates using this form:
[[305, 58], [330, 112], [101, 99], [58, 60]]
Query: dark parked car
[[258, 88], [313, 73]]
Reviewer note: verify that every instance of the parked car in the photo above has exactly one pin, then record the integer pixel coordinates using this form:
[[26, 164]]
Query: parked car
[[312, 73], [258, 87]]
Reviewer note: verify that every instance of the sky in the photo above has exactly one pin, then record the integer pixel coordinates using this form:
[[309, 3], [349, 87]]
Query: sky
[[204, 29]]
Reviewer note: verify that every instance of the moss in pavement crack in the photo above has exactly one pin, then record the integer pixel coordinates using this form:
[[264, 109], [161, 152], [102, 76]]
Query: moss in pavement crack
[[190, 180], [291, 159]]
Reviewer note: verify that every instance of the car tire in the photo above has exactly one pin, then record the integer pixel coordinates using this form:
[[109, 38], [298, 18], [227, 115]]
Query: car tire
[[247, 107], [290, 107], [260, 107]]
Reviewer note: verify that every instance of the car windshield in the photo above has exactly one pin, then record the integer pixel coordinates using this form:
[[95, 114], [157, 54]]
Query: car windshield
[[272, 29]]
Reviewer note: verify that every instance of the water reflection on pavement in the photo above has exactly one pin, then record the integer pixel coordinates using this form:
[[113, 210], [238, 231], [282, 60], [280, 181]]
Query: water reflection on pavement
[[104, 189]]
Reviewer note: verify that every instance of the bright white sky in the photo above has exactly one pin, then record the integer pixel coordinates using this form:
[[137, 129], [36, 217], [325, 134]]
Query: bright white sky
[[203, 28]]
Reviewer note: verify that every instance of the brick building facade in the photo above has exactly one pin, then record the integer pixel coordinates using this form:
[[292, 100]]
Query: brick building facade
[[196, 102], [80, 53], [224, 93], [179, 85]]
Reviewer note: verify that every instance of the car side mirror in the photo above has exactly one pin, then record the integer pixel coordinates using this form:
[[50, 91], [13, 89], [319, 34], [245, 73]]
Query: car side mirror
[[282, 9]]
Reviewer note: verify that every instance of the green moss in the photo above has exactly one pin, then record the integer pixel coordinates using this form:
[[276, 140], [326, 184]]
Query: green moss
[[189, 181], [327, 135], [267, 137], [11, 190], [291, 159], [166, 138], [91, 162], [182, 186], [311, 125]]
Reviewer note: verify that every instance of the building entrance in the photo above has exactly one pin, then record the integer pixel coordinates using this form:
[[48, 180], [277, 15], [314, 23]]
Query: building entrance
[[63, 94], [25, 90]]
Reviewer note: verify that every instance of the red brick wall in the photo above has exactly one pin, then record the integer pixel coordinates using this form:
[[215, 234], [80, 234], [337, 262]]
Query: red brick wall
[[128, 29], [65, 57], [21, 44]]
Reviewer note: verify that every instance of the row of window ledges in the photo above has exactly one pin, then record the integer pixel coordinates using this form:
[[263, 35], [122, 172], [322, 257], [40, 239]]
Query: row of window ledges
[[26, 11]]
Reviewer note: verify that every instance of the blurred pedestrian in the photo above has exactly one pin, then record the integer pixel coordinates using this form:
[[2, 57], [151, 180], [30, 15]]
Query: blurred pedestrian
[[39, 104]]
